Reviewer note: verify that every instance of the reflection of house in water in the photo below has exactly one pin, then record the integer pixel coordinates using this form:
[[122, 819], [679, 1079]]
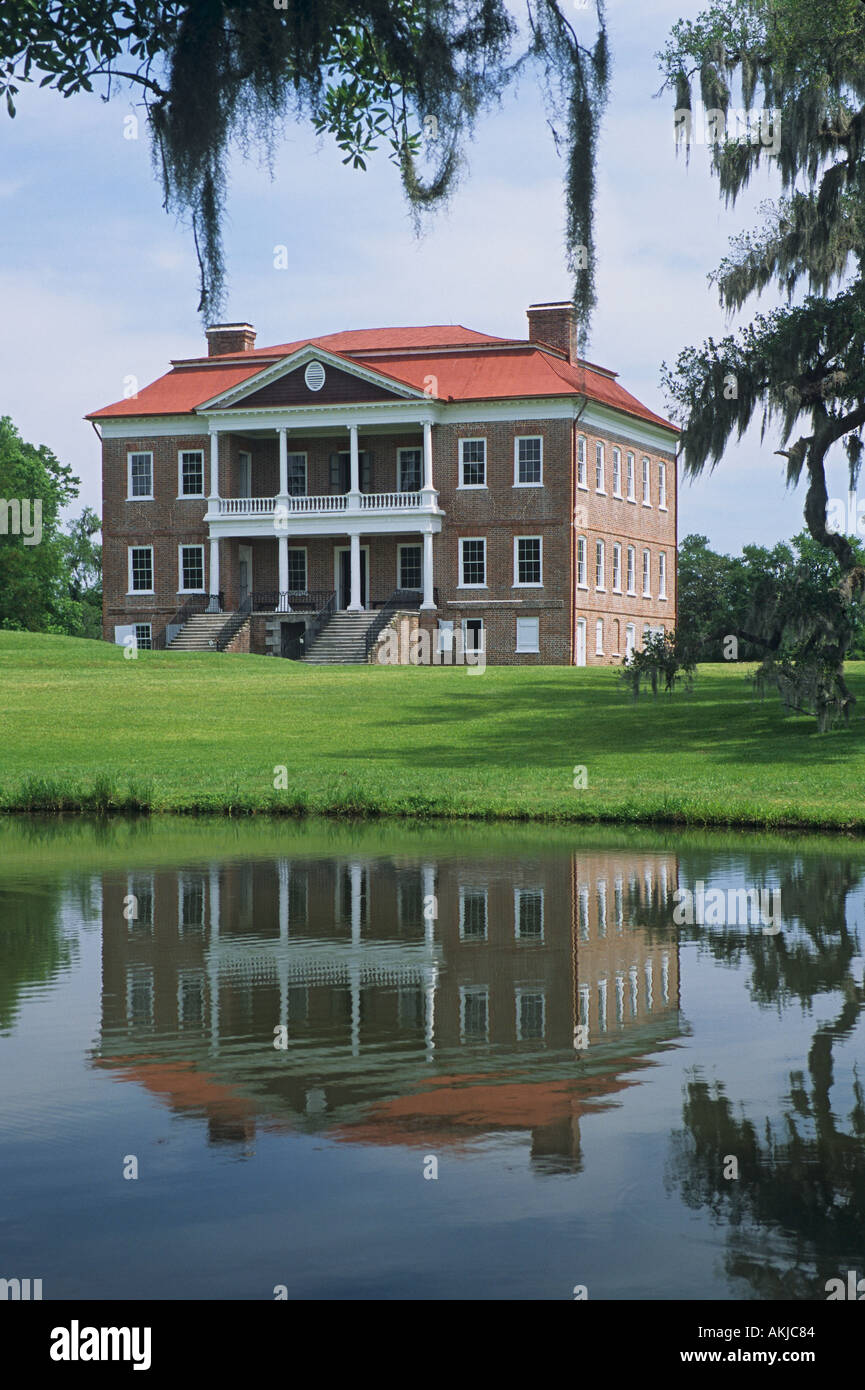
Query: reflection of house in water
[[421, 1002]]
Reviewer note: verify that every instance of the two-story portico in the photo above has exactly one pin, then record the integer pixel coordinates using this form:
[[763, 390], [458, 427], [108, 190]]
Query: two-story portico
[[305, 477]]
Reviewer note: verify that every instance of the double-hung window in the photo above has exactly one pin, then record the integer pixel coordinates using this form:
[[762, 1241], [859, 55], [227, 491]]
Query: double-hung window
[[662, 486], [617, 568], [647, 483], [632, 496], [473, 563], [662, 574], [528, 461], [600, 565], [191, 473], [410, 469], [581, 461], [527, 560], [473, 463], [617, 472], [599, 468], [631, 565], [410, 575], [141, 569], [581, 561], [297, 569], [297, 475], [191, 569], [647, 574], [140, 476]]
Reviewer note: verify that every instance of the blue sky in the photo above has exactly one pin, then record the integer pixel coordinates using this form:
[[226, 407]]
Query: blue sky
[[98, 283]]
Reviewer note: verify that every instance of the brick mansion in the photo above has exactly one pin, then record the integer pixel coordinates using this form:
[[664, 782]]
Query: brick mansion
[[504, 495]]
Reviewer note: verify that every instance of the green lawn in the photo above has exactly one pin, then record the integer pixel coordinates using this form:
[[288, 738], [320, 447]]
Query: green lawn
[[82, 727]]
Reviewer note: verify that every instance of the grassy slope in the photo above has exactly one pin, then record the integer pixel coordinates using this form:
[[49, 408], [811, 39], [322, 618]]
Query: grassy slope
[[205, 732]]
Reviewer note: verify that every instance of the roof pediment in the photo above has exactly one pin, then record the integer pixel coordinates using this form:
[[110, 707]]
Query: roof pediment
[[312, 376]]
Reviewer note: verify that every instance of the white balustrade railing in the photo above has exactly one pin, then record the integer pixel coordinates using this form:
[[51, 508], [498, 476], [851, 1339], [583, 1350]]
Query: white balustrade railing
[[390, 501], [316, 506], [246, 506]]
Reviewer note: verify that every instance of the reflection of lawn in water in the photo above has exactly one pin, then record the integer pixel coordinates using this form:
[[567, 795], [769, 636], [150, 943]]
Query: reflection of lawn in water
[[80, 724]]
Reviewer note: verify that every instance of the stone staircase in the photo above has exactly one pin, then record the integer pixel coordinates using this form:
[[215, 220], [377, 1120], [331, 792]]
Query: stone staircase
[[199, 633], [341, 641]]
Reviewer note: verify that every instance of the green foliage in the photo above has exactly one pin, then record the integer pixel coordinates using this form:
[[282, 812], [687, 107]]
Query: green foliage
[[396, 75], [802, 367], [50, 581], [766, 598], [663, 656]]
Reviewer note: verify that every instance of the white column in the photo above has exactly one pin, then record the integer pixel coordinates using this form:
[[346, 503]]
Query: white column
[[213, 583], [283, 462], [213, 959], [283, 870], [355, 605], [430, 493], [354, 483], [282, 545], [214, 464], [428, 599], [356, 878]]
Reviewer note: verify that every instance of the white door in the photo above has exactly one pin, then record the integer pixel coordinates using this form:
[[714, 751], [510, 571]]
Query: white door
[[581, 641], [244, 571], [630, 640]]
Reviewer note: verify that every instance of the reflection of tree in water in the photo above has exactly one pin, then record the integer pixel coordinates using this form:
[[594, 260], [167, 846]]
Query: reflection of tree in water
[[797, 1209], [33, 949]]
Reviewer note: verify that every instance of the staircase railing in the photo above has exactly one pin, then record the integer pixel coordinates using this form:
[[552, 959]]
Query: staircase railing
[[291, 601], [199, 603], [231, 628]]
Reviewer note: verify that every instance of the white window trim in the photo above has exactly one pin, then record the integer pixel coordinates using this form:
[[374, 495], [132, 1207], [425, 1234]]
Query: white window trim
[[189, 496], [410, 449], [584, 485], [142, 496], [475, 618], [465, 992], [602, 587], [305, 551], [617, 588], [463, 540], [617, 492], [518, 998], [518, 893], [292, 453], [193, 545], [534, 583], [149, 627], [412, 545], [631, 477], [662, 576], [631, 571], [472, 487], [647, 481], [662, 492], [602, 490], [583, 583], [599, 630], [517, 438], [517, 647], [129, 551], [647, 575], [464, 890]]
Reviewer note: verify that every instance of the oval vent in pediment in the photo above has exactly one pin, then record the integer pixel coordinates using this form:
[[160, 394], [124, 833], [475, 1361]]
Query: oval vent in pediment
[[314, 376]]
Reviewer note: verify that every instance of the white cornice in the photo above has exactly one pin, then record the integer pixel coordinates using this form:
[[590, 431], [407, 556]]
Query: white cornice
[[151, 426]]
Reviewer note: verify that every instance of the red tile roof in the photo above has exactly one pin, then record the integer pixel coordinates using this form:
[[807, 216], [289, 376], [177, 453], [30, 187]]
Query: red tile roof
[[466, 365]]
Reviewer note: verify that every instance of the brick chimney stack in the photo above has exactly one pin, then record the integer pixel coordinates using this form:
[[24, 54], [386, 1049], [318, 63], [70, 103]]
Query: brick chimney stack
[[228, 338], [554, 325]]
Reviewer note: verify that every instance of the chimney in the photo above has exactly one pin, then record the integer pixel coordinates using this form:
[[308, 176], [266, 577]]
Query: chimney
[[554, 325], [228, 338]]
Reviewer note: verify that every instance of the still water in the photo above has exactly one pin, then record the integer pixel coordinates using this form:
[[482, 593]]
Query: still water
[[322, 1061]]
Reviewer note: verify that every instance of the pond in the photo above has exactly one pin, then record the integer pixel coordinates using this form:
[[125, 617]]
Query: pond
[[254, 1060]]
